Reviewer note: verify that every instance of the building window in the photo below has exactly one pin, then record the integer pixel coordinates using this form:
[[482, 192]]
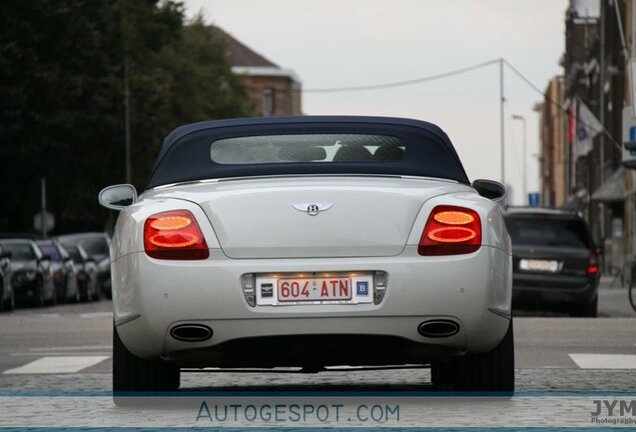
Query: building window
[[267, 103]]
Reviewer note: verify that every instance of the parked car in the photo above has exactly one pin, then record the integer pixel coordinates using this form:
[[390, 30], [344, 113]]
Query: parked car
[[7, 298], [311, 242], [86, 272], [63, 269], [31, 278], [555, 261], [96, 246]]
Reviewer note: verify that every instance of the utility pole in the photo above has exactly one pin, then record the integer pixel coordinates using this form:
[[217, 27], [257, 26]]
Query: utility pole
[[43, 203], [601, 112], [501, 120], [525, 156]]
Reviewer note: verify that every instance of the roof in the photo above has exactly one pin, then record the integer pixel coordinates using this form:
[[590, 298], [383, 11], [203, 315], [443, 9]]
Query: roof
[[239, 53], [613, 189], [266, 72], [184, 130], [185, 153]]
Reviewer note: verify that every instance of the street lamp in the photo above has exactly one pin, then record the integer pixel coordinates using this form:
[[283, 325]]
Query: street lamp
[[525, 160]]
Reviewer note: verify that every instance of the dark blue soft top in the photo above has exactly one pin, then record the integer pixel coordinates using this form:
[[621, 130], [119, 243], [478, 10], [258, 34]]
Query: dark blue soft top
[[185, 153]]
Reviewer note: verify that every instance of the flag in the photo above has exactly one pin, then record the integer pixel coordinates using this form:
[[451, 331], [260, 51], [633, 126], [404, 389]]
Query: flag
[[587, 127], [572, 123]]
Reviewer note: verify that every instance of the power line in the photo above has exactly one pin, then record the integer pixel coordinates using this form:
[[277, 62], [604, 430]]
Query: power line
[[402, 83], [454, 73]]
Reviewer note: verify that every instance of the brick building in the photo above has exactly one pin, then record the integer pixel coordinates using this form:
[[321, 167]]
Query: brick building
[[593, 89], [555, 153], [273, 90]]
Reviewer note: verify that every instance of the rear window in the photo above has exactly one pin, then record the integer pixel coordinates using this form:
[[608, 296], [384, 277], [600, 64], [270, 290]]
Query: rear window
[[19, 251], [548, 232], [73, 253], [51, 251], [317, 148], [95, 245]]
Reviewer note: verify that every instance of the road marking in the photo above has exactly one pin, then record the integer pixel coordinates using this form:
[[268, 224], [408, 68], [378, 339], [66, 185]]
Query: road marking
[[604, 361], [51, 365], [96, 315], [72, 348]]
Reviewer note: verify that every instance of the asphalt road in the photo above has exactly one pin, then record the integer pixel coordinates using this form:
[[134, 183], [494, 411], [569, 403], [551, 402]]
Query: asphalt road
[[68, 347]]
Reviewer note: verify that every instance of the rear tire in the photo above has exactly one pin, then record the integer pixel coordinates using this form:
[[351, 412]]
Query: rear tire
[[9, 304], [133, 374], [40, 300], [589, 309], [96, 295], [441, 373], [493, 371]]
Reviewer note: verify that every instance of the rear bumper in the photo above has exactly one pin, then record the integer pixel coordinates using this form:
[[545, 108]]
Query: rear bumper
[[152, 296], [538, 289]]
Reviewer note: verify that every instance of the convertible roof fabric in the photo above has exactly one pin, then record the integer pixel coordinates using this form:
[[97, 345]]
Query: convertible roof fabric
[[185, 153]]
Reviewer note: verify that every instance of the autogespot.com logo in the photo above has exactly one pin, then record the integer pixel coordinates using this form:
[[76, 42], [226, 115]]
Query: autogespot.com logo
[[615, 411]]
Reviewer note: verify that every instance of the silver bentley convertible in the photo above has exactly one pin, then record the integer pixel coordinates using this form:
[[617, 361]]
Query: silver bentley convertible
[[311, 242]]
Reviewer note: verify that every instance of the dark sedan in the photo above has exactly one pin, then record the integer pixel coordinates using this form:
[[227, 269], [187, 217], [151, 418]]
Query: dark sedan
[[555, 261]]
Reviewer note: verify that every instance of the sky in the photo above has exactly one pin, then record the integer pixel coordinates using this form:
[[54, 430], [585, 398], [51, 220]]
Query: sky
[[339, 43]]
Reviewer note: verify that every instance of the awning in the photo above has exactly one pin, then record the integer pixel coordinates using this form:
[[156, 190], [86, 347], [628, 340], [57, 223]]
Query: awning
[[613, 189]]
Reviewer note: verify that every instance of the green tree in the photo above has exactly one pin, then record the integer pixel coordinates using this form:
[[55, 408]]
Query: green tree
[[61, 87]]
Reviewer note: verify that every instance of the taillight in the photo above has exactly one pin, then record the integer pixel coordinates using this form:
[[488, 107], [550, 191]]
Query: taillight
[[451, 230], [174, 235], [592, 266]]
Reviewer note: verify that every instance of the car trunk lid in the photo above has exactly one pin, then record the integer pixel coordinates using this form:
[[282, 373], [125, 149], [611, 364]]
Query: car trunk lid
[[314, 217]]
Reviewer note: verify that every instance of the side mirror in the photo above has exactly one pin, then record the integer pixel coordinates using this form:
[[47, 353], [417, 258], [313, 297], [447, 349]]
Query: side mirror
[[118, 197], [490, 189], [6, 254]]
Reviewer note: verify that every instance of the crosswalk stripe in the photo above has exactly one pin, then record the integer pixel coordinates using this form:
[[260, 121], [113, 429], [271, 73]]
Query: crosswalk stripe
[[50, 365], [604, 361]]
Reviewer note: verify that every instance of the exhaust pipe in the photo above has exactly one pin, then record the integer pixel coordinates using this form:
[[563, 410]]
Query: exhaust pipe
[[191, 332], [438, 328]]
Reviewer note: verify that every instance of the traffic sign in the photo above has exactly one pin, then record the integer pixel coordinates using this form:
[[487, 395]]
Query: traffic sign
[[534, 199], [44, 222], [629, 138]]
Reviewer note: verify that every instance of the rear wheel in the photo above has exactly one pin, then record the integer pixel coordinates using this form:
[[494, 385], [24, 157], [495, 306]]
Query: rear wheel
[[133, 374], [493, 371], [588, 309], [9, 304], [40, 298]]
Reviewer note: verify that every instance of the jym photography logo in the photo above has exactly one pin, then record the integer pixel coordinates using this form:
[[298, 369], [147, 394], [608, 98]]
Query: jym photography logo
[[616, 411]]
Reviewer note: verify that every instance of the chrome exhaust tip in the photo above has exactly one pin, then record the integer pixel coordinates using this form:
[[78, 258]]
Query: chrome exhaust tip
[[438, 328], [191, 332]]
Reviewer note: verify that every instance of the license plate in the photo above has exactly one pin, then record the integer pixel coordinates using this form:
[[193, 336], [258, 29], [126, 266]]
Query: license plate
[[539, 265], [314, 289], [290, 289]]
